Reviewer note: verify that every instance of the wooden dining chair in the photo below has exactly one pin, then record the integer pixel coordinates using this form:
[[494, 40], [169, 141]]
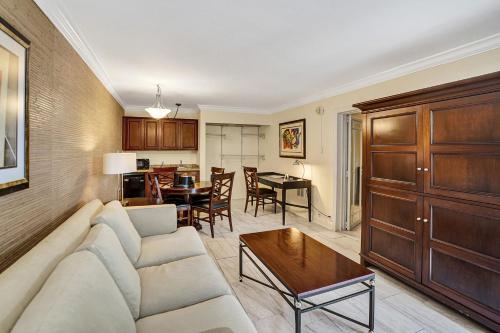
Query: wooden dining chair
[[197, 198], [255, 192], [165, 175], [183, 207], [219, 202]]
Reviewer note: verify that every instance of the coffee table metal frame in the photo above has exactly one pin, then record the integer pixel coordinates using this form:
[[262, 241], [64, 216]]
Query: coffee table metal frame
[[296, 302]]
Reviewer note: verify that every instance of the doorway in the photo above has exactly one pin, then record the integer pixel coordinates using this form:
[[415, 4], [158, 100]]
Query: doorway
[[349, 170]]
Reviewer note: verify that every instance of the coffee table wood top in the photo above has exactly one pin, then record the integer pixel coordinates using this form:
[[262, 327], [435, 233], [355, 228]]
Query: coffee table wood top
[[302, 264]]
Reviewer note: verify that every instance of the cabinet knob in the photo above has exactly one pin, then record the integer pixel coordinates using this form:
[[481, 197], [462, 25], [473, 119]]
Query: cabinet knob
[[418, 218], [419, 169], [426, 169], [425, 220]]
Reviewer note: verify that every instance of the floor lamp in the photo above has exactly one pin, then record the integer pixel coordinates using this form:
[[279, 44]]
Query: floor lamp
[[118, 164]]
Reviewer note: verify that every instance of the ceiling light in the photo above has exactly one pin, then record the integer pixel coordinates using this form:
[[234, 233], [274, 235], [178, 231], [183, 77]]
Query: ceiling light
[[158, 111]]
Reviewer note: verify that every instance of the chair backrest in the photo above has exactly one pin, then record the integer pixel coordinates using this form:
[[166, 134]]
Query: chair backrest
[[222, 188], [216, 170], [165, 175], [251, 182]]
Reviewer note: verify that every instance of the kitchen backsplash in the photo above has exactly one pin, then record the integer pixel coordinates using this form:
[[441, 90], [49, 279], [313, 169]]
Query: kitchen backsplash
[[169, 157]]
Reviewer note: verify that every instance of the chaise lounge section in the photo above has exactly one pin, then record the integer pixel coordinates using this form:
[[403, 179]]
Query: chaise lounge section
[[114, 269]]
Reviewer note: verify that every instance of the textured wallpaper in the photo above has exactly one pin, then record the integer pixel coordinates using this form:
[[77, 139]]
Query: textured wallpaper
[[73, 121]]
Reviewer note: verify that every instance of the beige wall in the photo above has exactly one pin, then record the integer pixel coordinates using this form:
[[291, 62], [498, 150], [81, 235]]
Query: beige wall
[[323, 166], [73, 121]]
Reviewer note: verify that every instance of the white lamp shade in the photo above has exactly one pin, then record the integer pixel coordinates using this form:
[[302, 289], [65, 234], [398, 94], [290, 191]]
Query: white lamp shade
[[119, 163]]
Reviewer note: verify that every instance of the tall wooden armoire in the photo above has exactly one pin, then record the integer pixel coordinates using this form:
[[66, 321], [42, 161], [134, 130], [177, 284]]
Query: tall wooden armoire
[[431, 191]]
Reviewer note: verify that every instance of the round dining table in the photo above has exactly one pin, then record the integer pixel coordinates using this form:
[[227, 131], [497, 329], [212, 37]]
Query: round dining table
[[200, 187]]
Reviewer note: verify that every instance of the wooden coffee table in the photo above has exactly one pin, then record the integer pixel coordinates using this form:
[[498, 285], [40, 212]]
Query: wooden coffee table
[[306, 268]]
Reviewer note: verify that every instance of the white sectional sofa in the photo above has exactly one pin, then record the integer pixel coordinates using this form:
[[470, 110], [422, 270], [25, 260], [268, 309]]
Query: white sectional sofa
[[114, 269]]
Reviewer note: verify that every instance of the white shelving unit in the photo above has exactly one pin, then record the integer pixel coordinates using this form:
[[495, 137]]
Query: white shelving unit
[[232, 147]]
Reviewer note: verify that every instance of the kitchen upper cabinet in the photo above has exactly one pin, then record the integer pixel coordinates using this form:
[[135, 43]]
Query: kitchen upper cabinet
[[188, 134], [133, 134], [163, 134], [151, 134], [170, 134]]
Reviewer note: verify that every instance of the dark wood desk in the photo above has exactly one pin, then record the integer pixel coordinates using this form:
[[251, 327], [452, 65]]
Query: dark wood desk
[[306, 268], [277, 180]]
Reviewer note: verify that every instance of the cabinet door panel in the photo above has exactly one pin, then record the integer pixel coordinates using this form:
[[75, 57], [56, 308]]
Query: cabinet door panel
[[189, 134], [463, 148], [469, 173], [394, 148], [395, 130], [394, 167], [395, 230], [461, 256], [169, 134], [151, 134], [133, 134]]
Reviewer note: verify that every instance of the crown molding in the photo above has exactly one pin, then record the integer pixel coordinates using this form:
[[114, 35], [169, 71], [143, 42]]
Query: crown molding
[[54, 11], [233, 109], [451, 55]]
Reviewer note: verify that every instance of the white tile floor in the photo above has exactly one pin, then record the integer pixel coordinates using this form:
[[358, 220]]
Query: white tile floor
[[398, 308]]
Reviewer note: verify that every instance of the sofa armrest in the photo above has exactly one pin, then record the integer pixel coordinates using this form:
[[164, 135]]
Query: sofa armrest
[[153, 220]]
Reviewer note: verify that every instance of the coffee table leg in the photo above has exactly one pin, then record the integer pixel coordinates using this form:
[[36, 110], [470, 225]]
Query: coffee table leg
[[371, 320], [241, 262], [298, 314]]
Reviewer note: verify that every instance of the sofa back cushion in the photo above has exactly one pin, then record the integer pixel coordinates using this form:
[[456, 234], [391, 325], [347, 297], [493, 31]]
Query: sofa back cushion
[[21, 281], [116, 217], [103, 242], [79, 296]]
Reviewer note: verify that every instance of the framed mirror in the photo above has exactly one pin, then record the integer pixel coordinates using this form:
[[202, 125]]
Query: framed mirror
[[14, 152]]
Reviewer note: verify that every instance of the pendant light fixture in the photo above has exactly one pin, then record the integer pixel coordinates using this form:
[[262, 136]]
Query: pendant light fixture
[[158, 111]]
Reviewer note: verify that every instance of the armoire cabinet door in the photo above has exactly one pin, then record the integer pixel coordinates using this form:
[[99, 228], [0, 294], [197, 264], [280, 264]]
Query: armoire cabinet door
[[463, 148], [394, 148], [461, 254], [151, 134], [133, 134], [394, 230]]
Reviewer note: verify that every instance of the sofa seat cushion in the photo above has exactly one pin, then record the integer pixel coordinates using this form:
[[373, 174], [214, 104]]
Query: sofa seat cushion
[[116, 217], [221, 312], [162, 249], [180, 283], [79, 297], [103, 242]]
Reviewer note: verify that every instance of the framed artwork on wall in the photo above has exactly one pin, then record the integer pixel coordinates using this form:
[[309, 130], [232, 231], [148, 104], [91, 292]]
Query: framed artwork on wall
[[293, 139], [14, 140]]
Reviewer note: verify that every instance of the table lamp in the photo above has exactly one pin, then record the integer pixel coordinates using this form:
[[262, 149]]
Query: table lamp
[[118, 164], [297, 162]]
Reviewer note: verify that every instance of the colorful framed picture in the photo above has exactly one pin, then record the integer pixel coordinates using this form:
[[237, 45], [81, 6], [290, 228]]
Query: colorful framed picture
[[293, 139], [14, 139]]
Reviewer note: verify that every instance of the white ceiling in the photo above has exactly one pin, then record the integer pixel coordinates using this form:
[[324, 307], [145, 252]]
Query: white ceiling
[[265, 55]]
